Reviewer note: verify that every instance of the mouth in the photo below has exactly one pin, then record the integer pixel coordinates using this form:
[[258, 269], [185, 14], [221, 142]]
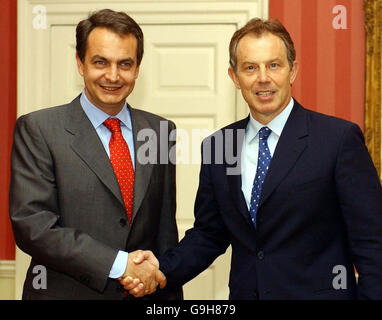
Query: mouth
[[265, 93], [110, 89]]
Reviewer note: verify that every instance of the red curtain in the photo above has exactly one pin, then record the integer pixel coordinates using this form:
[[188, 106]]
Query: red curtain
[[330, 43], [8, 94]]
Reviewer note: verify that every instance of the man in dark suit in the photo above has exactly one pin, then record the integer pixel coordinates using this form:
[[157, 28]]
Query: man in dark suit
[[302, 205], [83, 197]]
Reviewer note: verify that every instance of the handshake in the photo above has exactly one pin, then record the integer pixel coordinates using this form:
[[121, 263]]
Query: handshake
[[142, 274]]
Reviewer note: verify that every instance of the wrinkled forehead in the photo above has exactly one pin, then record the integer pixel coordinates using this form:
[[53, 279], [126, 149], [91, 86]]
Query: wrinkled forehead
[[261, 46]]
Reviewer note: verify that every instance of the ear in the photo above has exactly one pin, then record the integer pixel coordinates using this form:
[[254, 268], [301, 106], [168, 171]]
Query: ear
[[232, 75], [80, 65], [293, 72]]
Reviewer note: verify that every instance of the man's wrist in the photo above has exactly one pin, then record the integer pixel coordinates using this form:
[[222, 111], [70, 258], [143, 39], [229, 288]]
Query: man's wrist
[[119, 265]]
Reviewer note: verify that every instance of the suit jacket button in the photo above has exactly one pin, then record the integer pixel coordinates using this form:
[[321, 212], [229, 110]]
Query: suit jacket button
[[260, 255], [123, 222]]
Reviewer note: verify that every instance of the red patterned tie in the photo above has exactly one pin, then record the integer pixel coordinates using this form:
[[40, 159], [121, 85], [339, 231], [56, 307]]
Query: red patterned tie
[[121, 161]]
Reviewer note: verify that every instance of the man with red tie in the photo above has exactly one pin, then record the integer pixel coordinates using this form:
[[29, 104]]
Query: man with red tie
[[81, 201]]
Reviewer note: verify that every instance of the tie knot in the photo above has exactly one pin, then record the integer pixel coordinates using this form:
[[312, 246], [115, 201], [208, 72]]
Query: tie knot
[[264, 133], [113, 124]]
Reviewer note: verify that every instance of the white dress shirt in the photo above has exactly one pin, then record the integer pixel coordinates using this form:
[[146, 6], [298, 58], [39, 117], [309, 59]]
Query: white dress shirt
[[250, 150]]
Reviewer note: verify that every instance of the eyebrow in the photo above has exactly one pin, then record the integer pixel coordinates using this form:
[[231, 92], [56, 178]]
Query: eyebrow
[[98, 57]]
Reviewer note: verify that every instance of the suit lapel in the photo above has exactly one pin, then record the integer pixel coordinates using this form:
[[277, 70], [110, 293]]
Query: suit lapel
[[89, 148], [291, 144], [142, 171]]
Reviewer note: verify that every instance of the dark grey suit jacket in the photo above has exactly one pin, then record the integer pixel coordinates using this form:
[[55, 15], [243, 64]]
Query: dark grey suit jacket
[[66, 207]]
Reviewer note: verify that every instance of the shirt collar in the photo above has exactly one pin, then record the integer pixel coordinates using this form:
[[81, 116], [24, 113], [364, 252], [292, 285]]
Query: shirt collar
[[276, 125], [97, 116]]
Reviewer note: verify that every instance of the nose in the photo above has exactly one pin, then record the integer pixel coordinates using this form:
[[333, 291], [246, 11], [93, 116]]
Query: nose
[[112, 74], [263, 74]]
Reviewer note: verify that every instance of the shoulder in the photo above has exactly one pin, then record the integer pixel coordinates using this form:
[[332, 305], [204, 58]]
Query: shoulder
[[153, 119], [327, 124], [46, 117], [46, 113], [329, 131], [230, 130], [328, 121]]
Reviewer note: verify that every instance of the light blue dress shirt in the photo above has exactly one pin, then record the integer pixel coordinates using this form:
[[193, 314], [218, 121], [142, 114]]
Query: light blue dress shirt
[[97, 117], [250, 150]]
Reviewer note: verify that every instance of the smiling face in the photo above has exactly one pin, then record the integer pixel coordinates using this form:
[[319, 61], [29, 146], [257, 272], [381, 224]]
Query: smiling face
[[263, 75], [109, 69]]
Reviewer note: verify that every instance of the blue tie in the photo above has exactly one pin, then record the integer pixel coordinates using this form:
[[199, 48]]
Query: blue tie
[[264, 159]]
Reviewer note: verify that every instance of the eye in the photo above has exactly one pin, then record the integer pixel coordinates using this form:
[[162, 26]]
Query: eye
[[273, 65], [99, 62]]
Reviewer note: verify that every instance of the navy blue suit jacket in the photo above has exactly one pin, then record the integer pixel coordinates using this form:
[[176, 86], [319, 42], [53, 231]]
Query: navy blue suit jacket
[[321, 207]]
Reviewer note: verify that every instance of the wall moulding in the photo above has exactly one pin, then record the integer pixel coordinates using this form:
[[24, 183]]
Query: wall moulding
[[7, 269]]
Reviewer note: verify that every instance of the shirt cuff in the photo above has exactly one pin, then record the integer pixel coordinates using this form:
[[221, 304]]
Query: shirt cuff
[[119, 265]]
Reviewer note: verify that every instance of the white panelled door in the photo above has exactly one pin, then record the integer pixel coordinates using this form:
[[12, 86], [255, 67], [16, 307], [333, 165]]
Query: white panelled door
[[183, 77]]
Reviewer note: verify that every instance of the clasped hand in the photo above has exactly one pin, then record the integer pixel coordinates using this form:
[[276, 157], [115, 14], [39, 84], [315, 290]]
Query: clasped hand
[[142, 274]]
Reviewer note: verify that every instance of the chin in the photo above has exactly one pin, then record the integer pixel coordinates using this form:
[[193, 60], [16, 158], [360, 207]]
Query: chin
[[266, 109], [111, 99]]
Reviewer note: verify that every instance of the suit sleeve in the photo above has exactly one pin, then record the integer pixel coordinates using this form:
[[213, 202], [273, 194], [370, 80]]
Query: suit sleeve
[[360, 194], [203, 243], [168, 231], [35, 213]]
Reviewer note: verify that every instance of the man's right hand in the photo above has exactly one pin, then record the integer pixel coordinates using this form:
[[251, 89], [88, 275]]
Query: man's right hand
[[142, 274]]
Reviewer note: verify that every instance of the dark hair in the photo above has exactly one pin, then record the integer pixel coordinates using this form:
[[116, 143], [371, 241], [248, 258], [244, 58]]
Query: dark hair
[[258, 27], [118, 22]]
